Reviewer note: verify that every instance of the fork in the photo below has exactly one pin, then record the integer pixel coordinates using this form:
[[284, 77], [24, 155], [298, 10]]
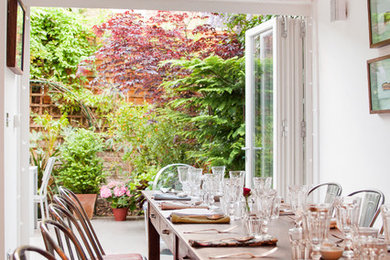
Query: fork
[[250, 255], [227, 230]]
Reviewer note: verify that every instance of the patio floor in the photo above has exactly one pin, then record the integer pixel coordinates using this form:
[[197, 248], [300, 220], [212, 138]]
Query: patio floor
[[115, 236]]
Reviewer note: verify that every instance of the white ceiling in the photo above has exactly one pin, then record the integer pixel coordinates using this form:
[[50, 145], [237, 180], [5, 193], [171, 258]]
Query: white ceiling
[[282, 7]]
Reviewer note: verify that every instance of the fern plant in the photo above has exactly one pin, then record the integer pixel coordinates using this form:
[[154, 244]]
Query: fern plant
[[210, 102]]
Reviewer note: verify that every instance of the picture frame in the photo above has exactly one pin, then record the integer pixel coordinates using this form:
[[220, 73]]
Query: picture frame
[[379, 22], [379, 84], [16, 20]]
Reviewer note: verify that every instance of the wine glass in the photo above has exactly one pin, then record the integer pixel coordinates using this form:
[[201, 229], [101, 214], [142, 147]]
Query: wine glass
[[195, 180], [210, 188], [347, 216], [297, 199], [184, 178], [262, 184], [239, 176], [220, 171], [317, 222]]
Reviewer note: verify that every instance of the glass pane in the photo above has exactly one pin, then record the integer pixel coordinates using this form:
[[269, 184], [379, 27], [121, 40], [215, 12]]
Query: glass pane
[[263, 80]]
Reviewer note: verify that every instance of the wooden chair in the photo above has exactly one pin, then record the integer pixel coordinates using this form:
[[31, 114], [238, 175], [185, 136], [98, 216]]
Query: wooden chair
[[20, 253], [66, 218], [67, 245], [371, 202], [41, 197], [331, 190], [70, 201]]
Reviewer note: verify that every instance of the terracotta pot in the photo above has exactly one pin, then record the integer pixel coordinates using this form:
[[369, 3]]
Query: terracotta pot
[[88, 203], [120, 213]]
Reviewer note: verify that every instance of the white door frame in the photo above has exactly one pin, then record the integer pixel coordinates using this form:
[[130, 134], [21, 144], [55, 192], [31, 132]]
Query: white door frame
[[292, 100]]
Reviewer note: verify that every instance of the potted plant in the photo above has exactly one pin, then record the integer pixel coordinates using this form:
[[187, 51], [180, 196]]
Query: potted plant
[[82, 169], [119, 197]]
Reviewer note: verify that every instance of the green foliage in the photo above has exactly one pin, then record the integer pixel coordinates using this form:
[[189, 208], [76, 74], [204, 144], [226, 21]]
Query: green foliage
[[147, 138], [44, 144], [240, 23], [138, 183], [212, 111], [81, 169], [59, 41]]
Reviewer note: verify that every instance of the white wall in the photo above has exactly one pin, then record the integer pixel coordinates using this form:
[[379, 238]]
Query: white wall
[[353, 144], [14, 98], [3, 12]]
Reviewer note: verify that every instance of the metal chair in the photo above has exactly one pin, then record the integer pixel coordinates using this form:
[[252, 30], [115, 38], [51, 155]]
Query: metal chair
[[20, 253], [370, 206], [69, 201], [65, 236], [66, 218], [331, 190], [41, 197], [167, 177]]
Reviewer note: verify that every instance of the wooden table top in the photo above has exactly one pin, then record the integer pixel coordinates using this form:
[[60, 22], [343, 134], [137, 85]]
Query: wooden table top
[[278, 228]]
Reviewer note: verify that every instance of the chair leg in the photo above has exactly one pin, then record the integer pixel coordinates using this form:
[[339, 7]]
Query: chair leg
[[43, 212], [46, 207]]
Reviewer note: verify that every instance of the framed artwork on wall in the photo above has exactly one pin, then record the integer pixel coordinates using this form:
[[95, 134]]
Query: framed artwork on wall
[[15, 35], [379, 84], [379, 22]]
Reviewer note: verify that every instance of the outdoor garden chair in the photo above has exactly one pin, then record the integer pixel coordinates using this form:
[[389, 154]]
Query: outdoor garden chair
[[327, 192], [41, 197], [65, 237], [69, 200], [167, 177], [20, 253], [371, 202]]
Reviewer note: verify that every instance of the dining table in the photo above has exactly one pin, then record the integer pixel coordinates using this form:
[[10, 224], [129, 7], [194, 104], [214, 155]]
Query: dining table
[[177, 236]]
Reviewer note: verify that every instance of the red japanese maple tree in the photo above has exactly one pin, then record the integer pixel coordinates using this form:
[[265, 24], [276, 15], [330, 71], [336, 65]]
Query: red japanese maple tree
[[134, 45]]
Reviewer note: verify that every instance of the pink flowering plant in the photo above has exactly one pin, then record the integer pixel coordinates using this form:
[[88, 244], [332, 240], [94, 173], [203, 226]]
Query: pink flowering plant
[[117, 193]]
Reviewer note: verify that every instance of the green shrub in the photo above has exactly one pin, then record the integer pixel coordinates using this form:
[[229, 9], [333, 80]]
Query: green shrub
[[82, 169]]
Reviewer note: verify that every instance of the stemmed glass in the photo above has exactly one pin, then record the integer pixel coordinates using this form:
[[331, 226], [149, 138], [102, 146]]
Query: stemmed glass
[[184, 178], [347, 216], [297, 195], [317, 221], [220, 171], [239, 176], [231, 194], [195, 180], [266, 202], [210, 188], [262, 184]]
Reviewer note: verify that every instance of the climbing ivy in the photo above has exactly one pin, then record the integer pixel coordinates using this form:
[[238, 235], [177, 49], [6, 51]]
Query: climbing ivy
[[59, 41]]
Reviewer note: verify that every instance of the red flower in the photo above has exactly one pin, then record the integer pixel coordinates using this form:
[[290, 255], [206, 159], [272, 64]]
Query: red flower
[[247, 192]]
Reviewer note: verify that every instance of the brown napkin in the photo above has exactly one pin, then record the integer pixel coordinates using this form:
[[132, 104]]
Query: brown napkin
[[233, 242], [199, 219], [176, 205]]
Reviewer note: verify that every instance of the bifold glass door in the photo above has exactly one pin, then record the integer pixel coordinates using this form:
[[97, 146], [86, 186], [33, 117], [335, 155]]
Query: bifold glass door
[[274, 100]]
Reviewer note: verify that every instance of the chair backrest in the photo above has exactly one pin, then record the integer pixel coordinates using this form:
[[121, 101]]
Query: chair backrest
[[73, 204], [65, 236], [327, 192], [370, 206], [46, 176], [66, 218], [167, 177], [20, 253]]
